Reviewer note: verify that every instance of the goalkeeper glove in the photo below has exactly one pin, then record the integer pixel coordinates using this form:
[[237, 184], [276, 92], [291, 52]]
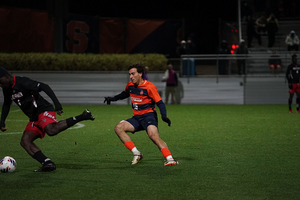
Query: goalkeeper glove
[[290, 86], [167, 120]]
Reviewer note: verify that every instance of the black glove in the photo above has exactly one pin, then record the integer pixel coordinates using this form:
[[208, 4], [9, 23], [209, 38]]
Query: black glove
[[290, 86], [108, 100], [167, 120]]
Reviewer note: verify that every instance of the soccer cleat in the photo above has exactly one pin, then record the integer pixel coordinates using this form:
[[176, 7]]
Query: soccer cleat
[[88, 115], [136, 159], [47, 167], [290, 111], [171, 162]]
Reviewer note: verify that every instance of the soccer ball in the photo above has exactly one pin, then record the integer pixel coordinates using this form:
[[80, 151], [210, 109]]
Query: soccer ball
[[8, 164]]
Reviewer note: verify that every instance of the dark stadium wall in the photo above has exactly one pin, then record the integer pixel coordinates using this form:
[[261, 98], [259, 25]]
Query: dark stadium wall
[[26, 30]]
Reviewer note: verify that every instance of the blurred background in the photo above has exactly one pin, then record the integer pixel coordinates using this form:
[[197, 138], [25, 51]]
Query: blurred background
[[212, 29]]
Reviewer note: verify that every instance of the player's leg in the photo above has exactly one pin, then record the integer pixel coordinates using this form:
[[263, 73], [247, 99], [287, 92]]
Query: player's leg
[[152, 131], [290, 101], [298, 101], [54, 128], [121, 130], [27, 142], [30, 134]]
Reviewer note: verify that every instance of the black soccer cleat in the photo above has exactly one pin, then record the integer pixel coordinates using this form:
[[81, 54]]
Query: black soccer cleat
[[87, 115], [47, 167]]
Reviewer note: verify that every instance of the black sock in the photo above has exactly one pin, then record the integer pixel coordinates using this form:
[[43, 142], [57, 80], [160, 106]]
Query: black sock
[[73, 120], [290, 103], [40, 157], [298, 102]]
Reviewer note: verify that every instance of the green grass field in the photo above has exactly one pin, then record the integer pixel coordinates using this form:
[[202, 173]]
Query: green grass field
[[225, 152]]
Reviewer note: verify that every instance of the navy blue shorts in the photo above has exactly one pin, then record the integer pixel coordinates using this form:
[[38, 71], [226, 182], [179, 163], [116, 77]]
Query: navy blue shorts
[[141, 122]]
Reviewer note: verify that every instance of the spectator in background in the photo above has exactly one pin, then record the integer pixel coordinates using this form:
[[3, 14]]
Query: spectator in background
[[179, 92], [241, 63], [251, 32], [275, 62], [171, 80], [182, 48], [272, 28], [223, 64], [261, 23], [187, 47], [191, 46], [292, 41], [146, 73]]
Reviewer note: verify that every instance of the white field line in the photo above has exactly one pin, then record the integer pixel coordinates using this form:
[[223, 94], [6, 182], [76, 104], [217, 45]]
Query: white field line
[[76, 126]]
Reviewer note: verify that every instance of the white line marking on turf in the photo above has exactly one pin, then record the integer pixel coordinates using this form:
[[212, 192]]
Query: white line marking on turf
[[18, 120], [14, 110], [11, 133], [78, 125]]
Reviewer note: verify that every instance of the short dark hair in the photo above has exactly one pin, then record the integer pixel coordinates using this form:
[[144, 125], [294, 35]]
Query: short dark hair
[[3, 72], [139, 67], [294, 55]]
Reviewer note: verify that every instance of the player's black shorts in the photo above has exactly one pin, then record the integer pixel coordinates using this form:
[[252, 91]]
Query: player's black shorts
[[141, 122]]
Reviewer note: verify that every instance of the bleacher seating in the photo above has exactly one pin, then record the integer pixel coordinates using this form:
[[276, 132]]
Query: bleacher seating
[[260, 66]]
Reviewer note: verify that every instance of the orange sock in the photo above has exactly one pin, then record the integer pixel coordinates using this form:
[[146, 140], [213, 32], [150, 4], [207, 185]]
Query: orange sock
[[129, 145], [165, 152]]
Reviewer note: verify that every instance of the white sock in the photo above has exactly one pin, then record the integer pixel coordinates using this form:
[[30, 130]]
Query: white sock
[[169, 158], [135, 151]]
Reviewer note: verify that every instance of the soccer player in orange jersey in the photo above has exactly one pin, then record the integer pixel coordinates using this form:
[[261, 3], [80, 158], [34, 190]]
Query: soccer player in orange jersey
[[143, 96]]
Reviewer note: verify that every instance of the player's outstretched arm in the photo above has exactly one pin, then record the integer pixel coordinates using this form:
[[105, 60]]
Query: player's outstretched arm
[[108, 100], [163, 111], [122, 95]]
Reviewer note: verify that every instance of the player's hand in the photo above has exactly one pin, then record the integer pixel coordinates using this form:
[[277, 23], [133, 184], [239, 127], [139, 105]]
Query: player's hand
[[167, 120], [108, 100], [59, 112], [290, 86], [3, 129]]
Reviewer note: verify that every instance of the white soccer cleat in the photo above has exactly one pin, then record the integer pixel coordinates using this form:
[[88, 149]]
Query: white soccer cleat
[[171, 162], [136, 159]]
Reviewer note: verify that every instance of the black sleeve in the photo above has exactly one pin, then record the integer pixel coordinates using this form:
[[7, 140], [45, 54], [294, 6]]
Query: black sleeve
[[162, 107], [287, 74], [122, 95], [5, 107], [46, 88]]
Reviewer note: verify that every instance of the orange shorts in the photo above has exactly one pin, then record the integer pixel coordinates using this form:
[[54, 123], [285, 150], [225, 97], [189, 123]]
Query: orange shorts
[[37, 127]]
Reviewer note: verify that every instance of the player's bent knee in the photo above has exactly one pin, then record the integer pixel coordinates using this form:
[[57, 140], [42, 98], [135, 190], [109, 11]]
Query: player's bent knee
[[22, 143], [51, 130], [119, 128], [153, 136]]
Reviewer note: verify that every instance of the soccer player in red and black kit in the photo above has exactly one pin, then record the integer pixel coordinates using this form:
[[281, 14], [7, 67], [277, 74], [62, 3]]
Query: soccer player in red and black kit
[[42, 116], [293, 77], [143, 96]]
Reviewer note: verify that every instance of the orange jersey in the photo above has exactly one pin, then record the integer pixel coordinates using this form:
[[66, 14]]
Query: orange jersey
[[143, 97]]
